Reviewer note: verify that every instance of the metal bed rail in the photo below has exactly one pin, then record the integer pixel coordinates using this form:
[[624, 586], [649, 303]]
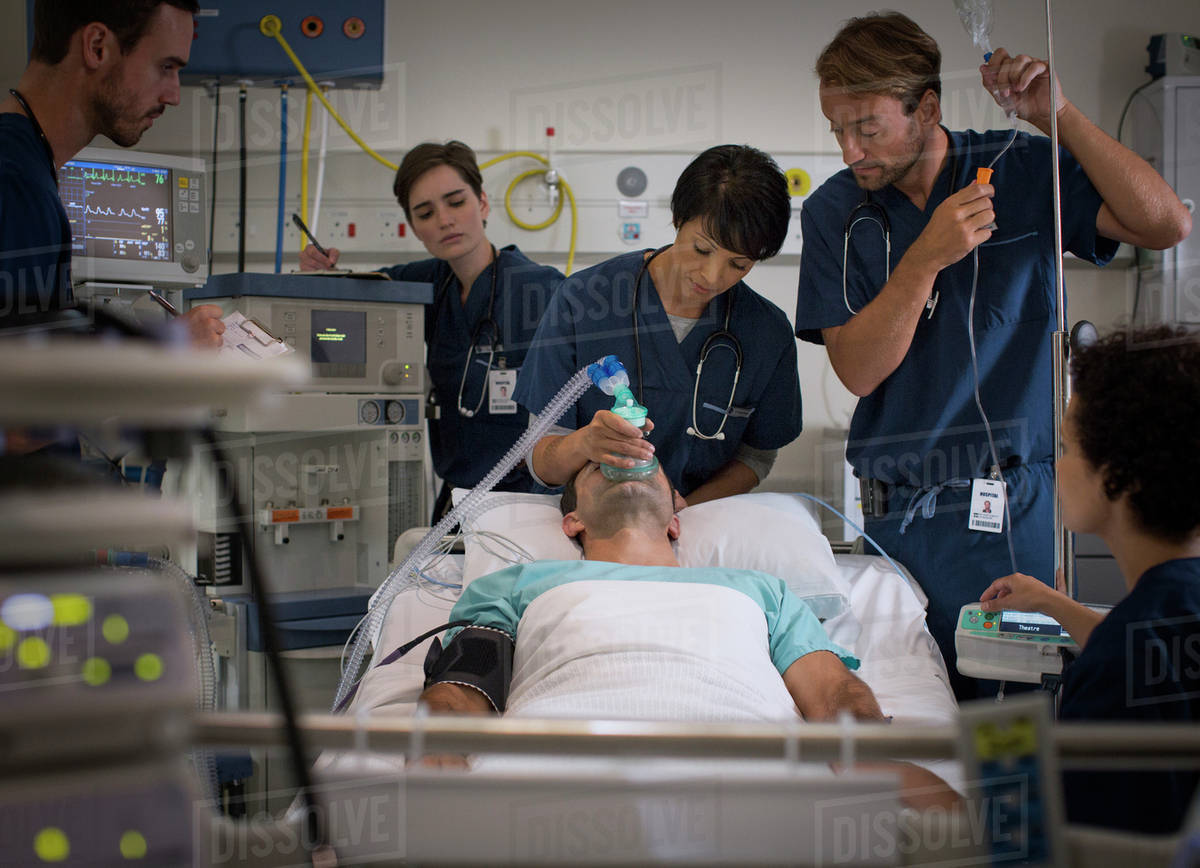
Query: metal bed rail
[[1106, 745]]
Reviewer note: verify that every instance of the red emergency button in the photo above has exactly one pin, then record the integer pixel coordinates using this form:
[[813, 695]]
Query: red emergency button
[[401, 230], [351, 229], [987, 625]]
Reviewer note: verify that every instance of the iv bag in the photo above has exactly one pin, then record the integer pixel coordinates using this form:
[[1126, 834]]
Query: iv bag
[[976, 17]]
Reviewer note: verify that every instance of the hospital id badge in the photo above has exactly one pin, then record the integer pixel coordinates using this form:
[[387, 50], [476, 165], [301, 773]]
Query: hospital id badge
[[987, 505], [501, 384]]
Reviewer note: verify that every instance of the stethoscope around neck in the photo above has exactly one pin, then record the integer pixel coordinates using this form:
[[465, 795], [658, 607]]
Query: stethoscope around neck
[[722, 338], [487, 322], [872, 212], [37, 128]]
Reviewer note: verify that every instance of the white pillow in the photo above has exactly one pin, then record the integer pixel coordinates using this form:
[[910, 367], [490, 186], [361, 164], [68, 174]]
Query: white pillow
[[734, 532], [765, 532], [805, 510], [531, 522]]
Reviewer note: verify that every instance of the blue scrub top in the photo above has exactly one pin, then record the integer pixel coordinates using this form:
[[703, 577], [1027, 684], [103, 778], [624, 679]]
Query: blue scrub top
[[1141, 663], [35, 237], [590, 316], [465, 449], [921, 427]]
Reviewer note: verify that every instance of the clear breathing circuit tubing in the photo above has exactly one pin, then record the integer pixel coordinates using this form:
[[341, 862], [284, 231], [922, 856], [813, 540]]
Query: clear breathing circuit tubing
[[462, 514]]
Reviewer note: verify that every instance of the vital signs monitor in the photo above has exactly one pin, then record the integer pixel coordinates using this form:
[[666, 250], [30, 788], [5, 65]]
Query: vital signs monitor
[[136, 218]]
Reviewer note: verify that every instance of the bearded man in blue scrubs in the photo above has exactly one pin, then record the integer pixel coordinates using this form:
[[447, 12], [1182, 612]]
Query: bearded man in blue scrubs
[[95, 67], [904, 255]]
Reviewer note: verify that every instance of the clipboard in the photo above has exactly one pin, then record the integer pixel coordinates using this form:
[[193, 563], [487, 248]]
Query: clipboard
[[245, 337]]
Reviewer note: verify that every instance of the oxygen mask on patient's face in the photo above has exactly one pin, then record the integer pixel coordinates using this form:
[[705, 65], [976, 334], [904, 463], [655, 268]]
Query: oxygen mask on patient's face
[[611, 378]]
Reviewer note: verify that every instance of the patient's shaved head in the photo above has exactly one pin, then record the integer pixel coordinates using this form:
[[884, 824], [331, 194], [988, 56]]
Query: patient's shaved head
[[606, 507]]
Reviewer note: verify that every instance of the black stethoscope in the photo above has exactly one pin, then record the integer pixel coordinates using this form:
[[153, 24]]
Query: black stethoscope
[[870, 210], [731, 343], [486, 322], [37, 128]]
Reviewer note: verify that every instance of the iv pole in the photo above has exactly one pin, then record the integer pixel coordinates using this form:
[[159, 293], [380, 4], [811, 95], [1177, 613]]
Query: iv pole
[[1060, 343]]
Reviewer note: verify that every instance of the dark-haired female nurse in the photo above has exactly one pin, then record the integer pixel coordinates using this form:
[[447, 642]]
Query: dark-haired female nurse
[[663, 312]]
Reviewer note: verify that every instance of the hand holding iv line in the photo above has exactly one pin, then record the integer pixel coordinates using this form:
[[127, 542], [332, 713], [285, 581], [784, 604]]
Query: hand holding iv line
[[962, 222], [1021, 86]]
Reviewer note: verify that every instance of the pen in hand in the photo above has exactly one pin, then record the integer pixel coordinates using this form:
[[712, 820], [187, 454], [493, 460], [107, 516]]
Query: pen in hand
[[163, 303], [300, 223], [203, 322]]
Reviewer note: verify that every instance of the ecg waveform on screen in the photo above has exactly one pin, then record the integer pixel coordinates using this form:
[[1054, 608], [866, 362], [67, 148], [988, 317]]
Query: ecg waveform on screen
[[121, 213], [133, 214], [119, 176]]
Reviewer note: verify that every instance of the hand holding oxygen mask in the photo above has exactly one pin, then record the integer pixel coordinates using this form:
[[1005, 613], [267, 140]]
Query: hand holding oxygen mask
[[611, 378]]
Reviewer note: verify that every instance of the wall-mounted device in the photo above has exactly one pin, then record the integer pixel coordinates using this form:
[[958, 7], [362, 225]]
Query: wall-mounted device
[[1173, 54], [1165, 120], [339, 42]]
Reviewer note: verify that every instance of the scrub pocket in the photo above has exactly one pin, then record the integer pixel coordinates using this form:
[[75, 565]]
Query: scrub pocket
[[1014, 285]]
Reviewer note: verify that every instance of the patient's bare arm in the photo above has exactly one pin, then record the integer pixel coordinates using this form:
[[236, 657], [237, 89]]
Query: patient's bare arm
[[823, 687], [448, 698]]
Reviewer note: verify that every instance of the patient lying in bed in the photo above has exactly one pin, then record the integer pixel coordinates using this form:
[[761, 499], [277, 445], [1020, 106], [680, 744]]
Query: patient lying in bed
[[627, 633]]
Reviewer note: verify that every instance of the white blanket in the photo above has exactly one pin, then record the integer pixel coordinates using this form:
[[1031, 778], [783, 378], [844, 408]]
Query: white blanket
[[900, 661], [646, 650], [885, 630]]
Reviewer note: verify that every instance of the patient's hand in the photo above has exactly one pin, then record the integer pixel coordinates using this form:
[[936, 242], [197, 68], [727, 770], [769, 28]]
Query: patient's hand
[[920, 788]]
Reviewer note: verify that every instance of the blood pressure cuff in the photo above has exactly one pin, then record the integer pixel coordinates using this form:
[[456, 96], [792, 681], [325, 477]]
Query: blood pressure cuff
[[479, 657]]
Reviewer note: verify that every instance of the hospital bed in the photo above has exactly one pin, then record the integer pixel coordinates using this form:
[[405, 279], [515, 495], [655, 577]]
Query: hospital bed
[[866, 606], [553, 809], [651, 792]]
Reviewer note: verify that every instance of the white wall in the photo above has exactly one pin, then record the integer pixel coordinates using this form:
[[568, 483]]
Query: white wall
[[686, 75]]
